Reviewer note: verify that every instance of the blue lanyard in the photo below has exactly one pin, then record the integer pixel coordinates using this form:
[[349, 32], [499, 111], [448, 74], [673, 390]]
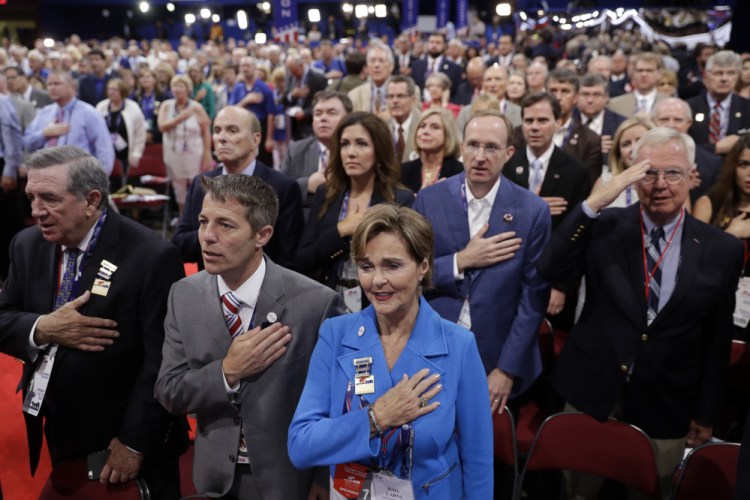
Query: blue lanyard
[[404, 440], [86, 255], [344, 207], [148, 104]]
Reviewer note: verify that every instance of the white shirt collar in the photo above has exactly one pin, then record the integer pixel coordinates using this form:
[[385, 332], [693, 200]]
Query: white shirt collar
[[490, 196], [544, 158], [405, 125], [248, 291]]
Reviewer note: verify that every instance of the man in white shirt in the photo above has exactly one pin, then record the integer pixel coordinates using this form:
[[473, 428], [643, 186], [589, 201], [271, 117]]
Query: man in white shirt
[[646, 70]]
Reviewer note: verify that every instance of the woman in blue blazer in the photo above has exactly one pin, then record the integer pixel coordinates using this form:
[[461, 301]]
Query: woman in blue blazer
[[417, 408]]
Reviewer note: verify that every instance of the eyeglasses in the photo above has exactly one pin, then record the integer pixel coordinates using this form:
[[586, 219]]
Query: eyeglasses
[[489, 149], [670, 175]]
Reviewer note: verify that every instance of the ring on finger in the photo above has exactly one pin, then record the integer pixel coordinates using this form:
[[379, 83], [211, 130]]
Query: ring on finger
[[422, 402]]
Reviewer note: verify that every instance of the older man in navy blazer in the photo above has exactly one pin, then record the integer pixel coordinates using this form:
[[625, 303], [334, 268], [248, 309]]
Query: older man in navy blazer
[[489, 233]]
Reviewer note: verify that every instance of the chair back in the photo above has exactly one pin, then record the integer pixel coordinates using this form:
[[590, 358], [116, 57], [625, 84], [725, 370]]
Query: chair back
[[69, 479], [149, 165], [709, 471], [612, 449]]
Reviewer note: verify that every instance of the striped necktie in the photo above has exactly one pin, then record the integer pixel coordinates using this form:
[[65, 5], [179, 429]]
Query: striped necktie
[[714, 124], [68, 277], [231, 305], [653, 255]]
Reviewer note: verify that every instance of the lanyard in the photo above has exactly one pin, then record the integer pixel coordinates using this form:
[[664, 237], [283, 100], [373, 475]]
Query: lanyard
[[648, 274], [85, 258], [148, 104], [118, 118], [344, 207], [404, 439]]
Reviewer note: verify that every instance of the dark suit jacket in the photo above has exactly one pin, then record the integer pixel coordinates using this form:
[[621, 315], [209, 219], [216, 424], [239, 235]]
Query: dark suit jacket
[[397, 65], [619, 87], [464, 95], [316, 82], [286, 232], [87, 89], [95, 396], [566, 177], [322, 248], [451, 69], [411, 172], [739, 118], [709, 167], [680, 360], [610, 123]]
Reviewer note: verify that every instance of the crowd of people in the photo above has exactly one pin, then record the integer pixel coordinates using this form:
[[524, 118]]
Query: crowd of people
[[356, 211]]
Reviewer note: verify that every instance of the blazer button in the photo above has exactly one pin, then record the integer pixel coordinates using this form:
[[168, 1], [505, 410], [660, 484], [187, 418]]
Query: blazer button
[[231, 458], [624, 368], [644, 337]]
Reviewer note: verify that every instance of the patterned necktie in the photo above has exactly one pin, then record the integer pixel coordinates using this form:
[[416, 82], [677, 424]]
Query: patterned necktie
[[323, 160], [68, 277], [536, 176], [230, 304], [52, 141], [400, 144], [653, 254], [378, 100], [714, 125]]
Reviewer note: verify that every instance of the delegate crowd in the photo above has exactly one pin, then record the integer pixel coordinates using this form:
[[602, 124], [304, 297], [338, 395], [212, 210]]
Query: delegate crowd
[[602, 183]]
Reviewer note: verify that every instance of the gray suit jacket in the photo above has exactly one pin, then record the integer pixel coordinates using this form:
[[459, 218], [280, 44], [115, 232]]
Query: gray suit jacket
[[625, 104], [302, 160], [191, 380], [512, 112]]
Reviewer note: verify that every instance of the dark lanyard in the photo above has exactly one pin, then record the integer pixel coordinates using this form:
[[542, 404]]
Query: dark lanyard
[[118, 118], [148, 104], [84, 260]]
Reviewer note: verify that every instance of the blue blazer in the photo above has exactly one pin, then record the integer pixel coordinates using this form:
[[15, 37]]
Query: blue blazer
[[452, 445], [507, 300]]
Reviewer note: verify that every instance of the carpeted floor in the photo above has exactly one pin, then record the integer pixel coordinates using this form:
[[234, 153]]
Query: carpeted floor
[[15, 476]]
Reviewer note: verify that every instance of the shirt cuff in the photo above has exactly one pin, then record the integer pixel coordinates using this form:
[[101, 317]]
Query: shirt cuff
[[587, 210], [456, 275], [33, 348], [231, 391]]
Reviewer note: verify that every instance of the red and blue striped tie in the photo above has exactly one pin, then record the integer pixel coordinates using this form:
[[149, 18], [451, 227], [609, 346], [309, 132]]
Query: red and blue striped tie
[[231, 307]]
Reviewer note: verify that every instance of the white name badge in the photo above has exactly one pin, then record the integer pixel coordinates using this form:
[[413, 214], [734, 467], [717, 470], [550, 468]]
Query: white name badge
[[742, 304], [388, 487], [353, 299], [464, 317], [39, 382]]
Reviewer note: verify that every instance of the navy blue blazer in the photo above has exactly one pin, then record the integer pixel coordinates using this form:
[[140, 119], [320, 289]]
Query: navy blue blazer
[[739, 118], [679, 362], [451, 69], [286, 231], [452, 445], [508, 300]]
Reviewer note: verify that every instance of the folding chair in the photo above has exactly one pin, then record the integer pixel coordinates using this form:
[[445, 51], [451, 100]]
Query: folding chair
[[611, 449], [150, 172], [70, 480], [504, 435], [709, 471]]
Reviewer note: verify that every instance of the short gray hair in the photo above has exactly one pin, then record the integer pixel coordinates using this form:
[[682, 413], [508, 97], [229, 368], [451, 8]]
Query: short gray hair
[[658, 136], [724, 59], [375, 44], [86, 173], [259, 199]]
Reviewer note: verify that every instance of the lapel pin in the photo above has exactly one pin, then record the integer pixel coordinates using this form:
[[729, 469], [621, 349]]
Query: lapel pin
[[508, 217], [738, 114], [519, 170], [361, 331], [556, 176], [271, 317], [699, 117], [696, 240]]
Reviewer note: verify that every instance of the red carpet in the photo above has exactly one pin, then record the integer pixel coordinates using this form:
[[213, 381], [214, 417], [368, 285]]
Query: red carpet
[[14, 454]]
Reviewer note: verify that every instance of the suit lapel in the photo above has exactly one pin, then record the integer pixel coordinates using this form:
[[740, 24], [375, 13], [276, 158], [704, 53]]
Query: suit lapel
[[690, 251], [631, 244], [213, 316], [456, 210], [519, 171], [735, 115], [45, 276], [271, 295], [553, 175]]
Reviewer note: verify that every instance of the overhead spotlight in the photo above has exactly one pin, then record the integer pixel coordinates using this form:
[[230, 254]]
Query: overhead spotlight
[[260, 38], [381, 10], [347, 8], [503, 9], [205, 13], [313, 15], [370, 10], [266, 7], [49, 43], [565, 27], [523, 15], [216, 18], [360, 11], [170, 7], [242, 19], [540, 13], [144, 6], [189, 18]]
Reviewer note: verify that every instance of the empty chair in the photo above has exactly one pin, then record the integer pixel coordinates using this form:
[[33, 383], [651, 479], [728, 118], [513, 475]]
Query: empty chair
[[611, 449], [709, 471]]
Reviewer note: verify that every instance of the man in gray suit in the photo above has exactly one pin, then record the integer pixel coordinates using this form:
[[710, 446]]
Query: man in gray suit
[[19, 84], [495, 83], [402, 104], [307, 159], [239, 337]]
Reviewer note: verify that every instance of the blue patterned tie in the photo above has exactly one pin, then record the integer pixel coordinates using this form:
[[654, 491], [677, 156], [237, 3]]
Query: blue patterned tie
[[68, 277], [653, 254], [536, 176]]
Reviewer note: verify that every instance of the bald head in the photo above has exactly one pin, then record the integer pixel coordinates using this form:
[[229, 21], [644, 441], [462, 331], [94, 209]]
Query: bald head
[[475, 71], [672, 113]]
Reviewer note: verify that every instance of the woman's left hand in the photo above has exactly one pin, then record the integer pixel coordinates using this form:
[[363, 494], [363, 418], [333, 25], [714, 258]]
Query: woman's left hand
[[408, 400]]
